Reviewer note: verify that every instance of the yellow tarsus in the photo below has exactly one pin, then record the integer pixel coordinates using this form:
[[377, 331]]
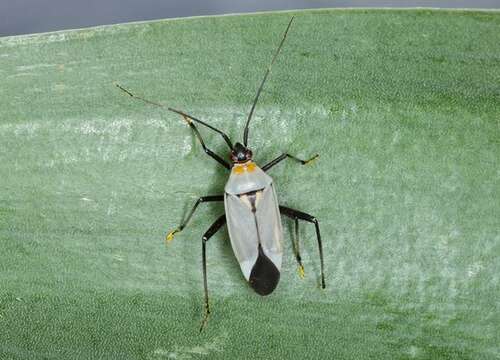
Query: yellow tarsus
[[170, 235], [301, 272], [311, 159]]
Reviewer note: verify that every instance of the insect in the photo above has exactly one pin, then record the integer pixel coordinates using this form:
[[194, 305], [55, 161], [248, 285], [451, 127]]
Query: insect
[[252, 211]]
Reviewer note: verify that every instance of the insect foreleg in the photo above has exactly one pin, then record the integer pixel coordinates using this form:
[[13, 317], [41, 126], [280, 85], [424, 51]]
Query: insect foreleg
[[287, 156], [210, 232], [207, 150], [190, 120], [298, 215], [202, 199]]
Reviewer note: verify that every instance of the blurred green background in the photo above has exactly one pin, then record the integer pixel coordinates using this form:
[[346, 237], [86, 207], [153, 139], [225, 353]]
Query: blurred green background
[[403, 107]]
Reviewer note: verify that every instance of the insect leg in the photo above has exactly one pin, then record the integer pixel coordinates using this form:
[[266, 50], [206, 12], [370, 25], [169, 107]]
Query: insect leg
[[210, 232], [285, 156], [207, 150], [224, 136], [298, 215], [297, 249], [189, 119], [202, 199]]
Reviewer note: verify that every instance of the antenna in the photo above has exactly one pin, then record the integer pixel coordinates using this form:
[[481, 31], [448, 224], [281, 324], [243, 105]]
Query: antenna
[[245, 133], [224, 136]]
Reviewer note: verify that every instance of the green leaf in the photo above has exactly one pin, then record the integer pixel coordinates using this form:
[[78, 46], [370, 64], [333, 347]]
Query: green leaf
[[403, 108]]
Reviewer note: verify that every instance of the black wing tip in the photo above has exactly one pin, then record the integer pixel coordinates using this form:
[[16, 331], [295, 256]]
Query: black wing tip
[[264, 276]]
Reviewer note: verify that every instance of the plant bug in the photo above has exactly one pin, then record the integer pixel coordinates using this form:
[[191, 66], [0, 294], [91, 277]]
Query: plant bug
[[252, 211]]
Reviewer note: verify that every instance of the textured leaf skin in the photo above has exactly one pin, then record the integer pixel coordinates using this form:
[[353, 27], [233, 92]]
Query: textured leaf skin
[[403, 107]]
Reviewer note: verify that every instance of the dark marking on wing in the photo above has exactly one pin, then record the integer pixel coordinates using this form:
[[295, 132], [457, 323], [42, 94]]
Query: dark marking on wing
[[252, 198], [264, 276]]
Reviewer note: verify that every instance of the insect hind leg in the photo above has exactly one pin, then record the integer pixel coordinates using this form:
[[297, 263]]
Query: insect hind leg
[[219, 223], [298, 215], [297, 249]]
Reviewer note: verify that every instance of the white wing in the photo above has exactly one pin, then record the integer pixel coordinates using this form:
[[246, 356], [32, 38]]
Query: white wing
[[270, 230], [247, 230], [241, 228]]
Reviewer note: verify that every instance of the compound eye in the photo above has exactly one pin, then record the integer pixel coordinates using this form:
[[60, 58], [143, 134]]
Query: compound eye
[[248, 154]]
